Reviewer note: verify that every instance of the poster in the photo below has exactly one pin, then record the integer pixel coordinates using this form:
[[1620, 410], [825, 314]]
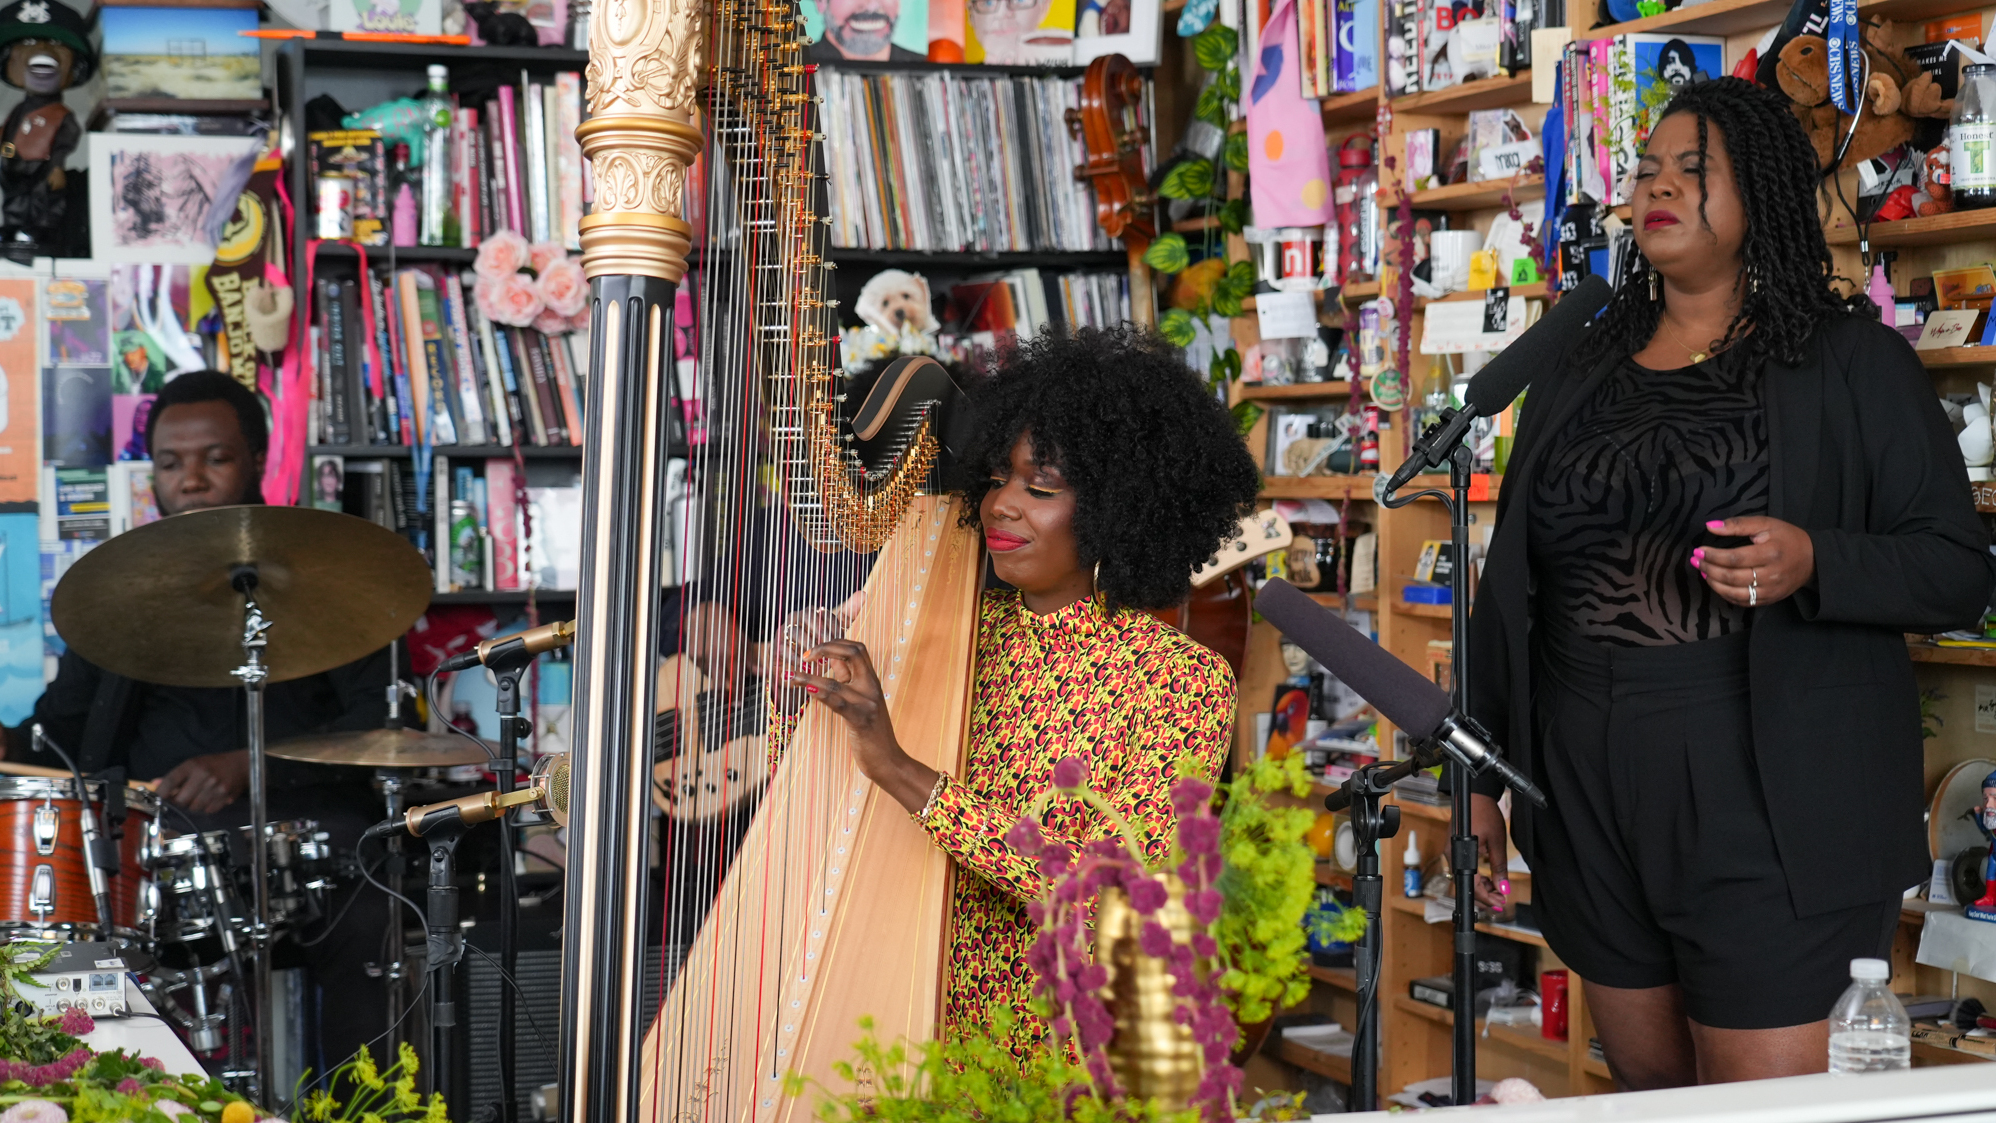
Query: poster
[[20, 393], [164, 199], [1033, 33], [129, 414], [20, 617], [882, 30], [1117, 27], [79, 321], [181, 52], [76, 418]]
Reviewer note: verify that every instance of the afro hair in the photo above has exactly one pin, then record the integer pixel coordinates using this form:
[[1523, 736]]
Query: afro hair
[[1160, 476]]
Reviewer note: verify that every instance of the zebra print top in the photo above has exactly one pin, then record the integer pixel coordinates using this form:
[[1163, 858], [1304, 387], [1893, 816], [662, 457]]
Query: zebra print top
[[1622, 497]]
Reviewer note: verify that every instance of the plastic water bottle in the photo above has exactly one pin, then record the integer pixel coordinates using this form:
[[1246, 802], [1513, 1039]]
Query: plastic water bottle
[[1869, 1029]]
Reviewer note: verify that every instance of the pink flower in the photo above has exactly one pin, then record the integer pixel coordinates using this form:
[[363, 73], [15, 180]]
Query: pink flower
[[544, 254], [510, 300], [75, 1022], [130, 1086], [172, 1107], [581, 321], [501, 256], [34, 1111], [551, 322], [153, 1063], [563, 287], [1070, 773]]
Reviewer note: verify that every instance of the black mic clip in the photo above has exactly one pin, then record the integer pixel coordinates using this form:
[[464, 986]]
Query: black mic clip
[[1466, 742]]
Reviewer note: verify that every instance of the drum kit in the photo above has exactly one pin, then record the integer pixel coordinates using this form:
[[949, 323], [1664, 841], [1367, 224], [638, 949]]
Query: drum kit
[[226, 597]]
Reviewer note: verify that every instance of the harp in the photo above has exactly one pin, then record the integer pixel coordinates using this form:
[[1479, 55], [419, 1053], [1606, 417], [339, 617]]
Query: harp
[[795, 896]]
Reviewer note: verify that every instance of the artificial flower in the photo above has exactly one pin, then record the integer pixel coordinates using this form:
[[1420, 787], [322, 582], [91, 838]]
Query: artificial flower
[[511, 300], [543, 254], [501, 256], [563, 287], [551, 322]]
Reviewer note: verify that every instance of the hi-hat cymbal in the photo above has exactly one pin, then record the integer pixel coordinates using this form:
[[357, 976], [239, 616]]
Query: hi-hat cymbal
[[382, 748], [156, 603]]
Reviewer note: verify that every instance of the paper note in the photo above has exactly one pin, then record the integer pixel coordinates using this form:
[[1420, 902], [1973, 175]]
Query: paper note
[[1546, 44], [1286, 315]]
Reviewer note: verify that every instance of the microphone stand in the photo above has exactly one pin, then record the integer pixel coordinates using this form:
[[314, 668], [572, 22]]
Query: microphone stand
[[511, 728], [444, 947], [1462, 844]]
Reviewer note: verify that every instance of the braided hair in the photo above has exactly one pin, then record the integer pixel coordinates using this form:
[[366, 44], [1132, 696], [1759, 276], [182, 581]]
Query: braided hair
[[1786, 282]]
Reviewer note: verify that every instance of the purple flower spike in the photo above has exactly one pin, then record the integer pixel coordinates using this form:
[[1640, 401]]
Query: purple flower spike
[[1155, 939], [1199, 835], [1025, 836], [1070, 773], [1189, 795], [1204, 905], [1094, 977], [1203, 944], [1062, 1027], [1147, 895]]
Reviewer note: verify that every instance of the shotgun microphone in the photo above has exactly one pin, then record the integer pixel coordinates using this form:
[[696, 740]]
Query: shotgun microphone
[[1540, 348], [1396, 690]]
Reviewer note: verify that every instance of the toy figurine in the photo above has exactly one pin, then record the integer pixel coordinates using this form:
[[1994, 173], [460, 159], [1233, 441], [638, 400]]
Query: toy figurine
[[44, 49], [1984, 818]]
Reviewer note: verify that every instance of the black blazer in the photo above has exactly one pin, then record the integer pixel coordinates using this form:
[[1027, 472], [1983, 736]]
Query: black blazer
[[1861, 456]]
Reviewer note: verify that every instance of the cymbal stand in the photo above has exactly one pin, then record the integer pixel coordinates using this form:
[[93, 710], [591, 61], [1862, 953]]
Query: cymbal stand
[[396, 969], [253, 674]]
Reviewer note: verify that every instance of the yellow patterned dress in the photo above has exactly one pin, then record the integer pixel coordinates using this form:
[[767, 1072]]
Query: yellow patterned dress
[[1131, 697]]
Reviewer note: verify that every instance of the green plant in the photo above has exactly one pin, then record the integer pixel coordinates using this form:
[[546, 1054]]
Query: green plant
[[376, 1096], [1266, 889]]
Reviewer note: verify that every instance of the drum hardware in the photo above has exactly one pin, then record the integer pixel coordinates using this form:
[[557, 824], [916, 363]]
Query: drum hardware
[[100, 855], [51, 887]]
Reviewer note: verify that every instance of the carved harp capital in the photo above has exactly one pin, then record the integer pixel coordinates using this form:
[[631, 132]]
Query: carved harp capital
[[646, 60]]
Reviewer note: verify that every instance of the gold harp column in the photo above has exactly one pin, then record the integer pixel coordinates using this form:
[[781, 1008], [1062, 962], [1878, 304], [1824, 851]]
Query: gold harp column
[[646, 66]]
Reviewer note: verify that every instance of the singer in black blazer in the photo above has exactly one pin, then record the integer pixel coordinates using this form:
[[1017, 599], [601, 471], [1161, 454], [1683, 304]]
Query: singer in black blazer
[[1859, 456]]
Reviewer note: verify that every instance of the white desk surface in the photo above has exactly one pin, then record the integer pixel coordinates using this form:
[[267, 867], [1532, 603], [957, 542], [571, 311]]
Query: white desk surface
[[1959, 1092]]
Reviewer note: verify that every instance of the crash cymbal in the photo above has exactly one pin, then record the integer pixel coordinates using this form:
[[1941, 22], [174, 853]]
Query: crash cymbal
[[382, 748], [156, 603]]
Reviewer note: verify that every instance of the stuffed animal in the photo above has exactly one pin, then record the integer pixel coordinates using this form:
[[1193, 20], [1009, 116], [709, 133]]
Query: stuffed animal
[[501, 29], [1934, 196], [1894, 94], [895, 300]]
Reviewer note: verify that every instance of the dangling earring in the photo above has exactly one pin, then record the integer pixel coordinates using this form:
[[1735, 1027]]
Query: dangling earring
[[1652, 284], [1095, 579], [1753, 280]]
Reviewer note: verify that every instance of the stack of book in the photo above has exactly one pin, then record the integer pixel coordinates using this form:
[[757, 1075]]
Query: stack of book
[[407, 359], [949, 162], [513, 163], [1611, 92]]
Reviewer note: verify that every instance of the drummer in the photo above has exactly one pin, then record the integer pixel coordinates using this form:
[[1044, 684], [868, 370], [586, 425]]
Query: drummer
[[208, 441]]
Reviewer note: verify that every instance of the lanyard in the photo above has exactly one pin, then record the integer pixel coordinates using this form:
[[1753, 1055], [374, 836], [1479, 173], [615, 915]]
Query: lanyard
[[1845, 60]]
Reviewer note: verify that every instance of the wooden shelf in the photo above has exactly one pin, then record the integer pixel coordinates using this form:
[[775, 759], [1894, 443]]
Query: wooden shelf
[[1937, 230], [1505, 931], [1914, 11], [195, 106], [383, 255], [1720, 17], [1196, 225], [1412, 905], [1941, 358], [401, 452], [960, 261], [1363, 602], [1927, 1053], [368, 55], [1959, 656], [1592, 1067], [1480, 194], [1302, 391], [1343, 978], [1523, 1039], [1415, 809], [1484, 93], [1336, 879], [1358, 292], [1432, 611], [1360, 106], [1317, 487], [1323, 1064]]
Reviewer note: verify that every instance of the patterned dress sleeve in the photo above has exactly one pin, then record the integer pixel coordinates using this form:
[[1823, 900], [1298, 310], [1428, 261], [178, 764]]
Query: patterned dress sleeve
[[1185, 708]]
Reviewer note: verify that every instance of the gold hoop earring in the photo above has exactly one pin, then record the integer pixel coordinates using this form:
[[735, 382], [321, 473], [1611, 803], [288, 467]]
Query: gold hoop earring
[[1652, 285], [1095, 580]]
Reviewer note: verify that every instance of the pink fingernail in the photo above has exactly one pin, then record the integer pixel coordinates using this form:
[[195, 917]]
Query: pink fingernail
[[1715, 524], [1698, 564], [1504, 887]]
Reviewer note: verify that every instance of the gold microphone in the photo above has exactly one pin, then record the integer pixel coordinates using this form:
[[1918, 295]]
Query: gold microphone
[[501, 649], [548, 788]]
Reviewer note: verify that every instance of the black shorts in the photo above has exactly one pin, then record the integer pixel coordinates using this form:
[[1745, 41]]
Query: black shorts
[[1654, 863]]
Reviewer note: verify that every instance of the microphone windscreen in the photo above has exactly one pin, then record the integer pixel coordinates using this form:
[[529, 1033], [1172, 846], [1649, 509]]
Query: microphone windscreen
[[1396, 690], [1538, 350]]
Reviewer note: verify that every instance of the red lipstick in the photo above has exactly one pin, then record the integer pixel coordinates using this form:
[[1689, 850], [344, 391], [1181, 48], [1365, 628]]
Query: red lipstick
[[999, 542], [1654, 219]]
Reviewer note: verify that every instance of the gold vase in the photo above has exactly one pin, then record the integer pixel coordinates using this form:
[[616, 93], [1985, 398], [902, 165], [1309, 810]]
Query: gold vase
[[1152, 1055]]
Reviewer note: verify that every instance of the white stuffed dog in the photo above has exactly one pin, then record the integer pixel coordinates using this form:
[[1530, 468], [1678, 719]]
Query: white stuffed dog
[[895, 301]]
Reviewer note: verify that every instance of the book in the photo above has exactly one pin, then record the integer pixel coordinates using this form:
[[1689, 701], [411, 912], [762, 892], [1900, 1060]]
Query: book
[[464, 176], [533, 109], [543, 387], [440, 537], [338, 428], [569, 165], [564, 385], [409, 327], [502, 522], [445, 402], [457, 334]]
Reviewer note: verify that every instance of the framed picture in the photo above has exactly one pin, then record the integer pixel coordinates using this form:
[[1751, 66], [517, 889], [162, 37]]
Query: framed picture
[[1111, 27], [191, 53], [867, 30], [1021, 32], [164, 199]]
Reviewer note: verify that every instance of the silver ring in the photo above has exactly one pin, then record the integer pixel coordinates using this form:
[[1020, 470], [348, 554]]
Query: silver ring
[[1753, 588]]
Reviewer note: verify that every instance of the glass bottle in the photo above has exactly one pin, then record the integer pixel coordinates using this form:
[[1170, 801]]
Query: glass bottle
[[436, 157], [1972, 139]]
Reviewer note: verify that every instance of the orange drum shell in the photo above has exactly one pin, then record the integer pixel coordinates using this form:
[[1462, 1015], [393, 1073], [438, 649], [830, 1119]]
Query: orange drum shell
[[73, 903]]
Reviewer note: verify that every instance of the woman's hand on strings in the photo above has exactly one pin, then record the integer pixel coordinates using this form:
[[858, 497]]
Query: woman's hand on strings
[[851, 689]]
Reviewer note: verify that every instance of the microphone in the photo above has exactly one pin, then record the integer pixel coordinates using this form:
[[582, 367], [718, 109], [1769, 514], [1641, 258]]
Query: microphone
[[1398, 691], [500, 651], [549, 788], [1539, 349]]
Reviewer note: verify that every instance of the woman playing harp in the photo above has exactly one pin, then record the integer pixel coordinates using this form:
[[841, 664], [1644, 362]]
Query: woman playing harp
[[1102, 473]]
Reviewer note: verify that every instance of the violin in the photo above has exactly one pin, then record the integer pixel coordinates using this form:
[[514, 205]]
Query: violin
[[1110, 126]]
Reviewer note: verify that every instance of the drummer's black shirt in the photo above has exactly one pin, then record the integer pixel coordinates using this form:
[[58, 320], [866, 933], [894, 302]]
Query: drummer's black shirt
[[106, 720]]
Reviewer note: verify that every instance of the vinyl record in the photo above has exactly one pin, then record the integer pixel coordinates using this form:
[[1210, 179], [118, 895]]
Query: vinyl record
[[1948, 833]]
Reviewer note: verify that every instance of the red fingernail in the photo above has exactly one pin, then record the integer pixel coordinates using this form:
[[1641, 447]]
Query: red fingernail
[[809, 689]]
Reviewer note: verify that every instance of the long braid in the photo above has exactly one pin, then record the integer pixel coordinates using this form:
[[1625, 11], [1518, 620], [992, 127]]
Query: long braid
[[1786, 284]]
